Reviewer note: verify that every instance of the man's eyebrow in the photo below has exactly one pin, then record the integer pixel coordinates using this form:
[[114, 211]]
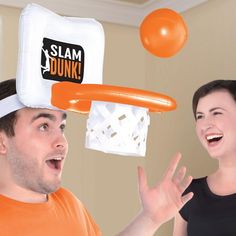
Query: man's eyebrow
[[48, 116], [43, 115], [64, 116]]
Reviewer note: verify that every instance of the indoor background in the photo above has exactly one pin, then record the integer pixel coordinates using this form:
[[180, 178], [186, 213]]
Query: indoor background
[[107, 184]]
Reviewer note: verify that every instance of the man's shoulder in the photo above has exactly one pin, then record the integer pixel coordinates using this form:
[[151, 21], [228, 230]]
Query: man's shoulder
[[66, 200], [66, 196], [64, 192]]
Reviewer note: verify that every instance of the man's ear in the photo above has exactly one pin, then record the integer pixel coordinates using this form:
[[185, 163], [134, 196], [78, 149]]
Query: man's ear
[[3, 142]]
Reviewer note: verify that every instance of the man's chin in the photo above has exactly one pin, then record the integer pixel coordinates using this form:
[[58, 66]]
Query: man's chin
[[50, 187]]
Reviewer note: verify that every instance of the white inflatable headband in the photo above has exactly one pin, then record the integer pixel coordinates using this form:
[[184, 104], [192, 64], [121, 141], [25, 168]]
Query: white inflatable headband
[[54, 48], [10, 104]]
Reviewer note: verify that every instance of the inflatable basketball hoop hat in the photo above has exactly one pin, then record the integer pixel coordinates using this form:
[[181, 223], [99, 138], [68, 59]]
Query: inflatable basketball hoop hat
[[60, 67], [52, 49]]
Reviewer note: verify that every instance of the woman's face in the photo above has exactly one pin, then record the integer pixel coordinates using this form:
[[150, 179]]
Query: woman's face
[[216, 124]]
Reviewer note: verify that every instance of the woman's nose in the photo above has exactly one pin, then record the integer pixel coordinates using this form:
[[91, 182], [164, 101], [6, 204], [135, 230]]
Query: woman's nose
[[208, 123]]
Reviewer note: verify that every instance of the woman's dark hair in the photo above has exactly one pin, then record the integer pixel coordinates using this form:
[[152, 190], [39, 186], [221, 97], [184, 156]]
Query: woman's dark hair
[[7, 122], [215, 85]]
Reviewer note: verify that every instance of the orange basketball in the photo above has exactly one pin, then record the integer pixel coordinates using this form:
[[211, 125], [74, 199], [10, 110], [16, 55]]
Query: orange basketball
[[163, 32]]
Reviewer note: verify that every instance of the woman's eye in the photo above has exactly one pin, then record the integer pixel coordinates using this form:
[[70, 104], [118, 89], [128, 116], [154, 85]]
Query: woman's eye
[[217, 113], [44, 127], [198, 117]]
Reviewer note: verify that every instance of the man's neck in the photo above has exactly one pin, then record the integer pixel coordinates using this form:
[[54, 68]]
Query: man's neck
[[23, 195]]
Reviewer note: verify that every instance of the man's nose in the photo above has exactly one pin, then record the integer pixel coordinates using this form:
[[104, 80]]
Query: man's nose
[[60, 142]]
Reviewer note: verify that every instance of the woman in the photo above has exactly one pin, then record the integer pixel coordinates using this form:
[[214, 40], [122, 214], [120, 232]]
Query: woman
[[212, 210]]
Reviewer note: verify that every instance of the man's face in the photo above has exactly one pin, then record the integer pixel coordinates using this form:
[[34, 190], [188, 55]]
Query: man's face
[[37, 152]]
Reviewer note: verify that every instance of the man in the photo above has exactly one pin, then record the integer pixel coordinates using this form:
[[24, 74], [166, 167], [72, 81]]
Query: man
[[33, 150]]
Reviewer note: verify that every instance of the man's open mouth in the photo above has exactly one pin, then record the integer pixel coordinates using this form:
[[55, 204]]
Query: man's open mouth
[[55, 163]]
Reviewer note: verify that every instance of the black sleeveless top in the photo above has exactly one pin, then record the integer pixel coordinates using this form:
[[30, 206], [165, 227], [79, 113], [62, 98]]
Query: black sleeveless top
[[208, 214]]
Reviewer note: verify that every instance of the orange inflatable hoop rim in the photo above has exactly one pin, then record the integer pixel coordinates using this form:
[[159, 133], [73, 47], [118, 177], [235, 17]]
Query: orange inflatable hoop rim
[[78, 97]]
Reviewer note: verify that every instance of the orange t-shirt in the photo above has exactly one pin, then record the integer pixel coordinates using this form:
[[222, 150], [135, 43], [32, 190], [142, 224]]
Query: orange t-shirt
[[62, 215]]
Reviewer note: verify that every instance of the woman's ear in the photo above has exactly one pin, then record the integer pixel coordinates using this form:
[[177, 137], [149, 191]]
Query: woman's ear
[[3, 141]]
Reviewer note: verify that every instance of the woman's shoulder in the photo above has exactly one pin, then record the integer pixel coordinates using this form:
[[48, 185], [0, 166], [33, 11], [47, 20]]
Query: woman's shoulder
[[197, 183], [199, 180]]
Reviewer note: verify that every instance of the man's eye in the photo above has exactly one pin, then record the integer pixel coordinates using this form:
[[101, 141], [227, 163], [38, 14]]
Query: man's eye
[[44, 127], [63, 127]]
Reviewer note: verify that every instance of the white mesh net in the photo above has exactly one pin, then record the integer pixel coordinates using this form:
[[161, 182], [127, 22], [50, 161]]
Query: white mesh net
[[117, 128]]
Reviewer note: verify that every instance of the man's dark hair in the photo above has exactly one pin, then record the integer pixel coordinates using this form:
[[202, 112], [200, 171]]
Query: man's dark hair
[[7, 122], [215, 85]]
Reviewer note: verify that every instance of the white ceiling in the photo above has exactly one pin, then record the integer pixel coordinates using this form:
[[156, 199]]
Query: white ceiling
[[133, 2], [127, 12]]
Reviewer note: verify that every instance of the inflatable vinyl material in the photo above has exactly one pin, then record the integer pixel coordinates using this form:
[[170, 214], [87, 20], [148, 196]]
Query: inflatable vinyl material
[[163, 32], [68, 96], [53, 49], [117, 128]]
